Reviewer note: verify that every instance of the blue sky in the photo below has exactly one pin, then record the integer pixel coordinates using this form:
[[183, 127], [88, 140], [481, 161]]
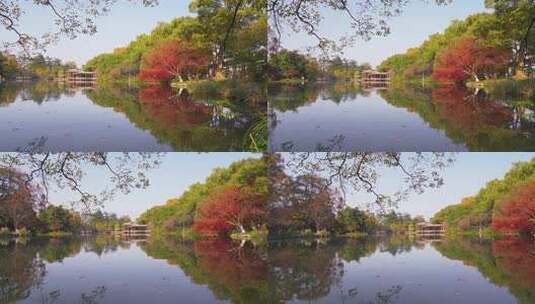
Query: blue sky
[[419, 20], [469, 173], [123, 24], [176, 173]]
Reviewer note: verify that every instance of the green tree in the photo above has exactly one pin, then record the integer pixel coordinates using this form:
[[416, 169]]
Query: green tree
[[517, 21], [287, 64], [57, 218], [355, 220]]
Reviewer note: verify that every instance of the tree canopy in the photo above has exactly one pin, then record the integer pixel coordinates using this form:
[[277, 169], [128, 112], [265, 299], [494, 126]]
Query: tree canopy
[[239, 193], [231, 34], [501, 40], [66, 170], [503, 204]]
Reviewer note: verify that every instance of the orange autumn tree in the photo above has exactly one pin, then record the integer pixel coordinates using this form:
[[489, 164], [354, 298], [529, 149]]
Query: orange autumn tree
[[468, 58], [516, 214], [229, 210], [171, 60]]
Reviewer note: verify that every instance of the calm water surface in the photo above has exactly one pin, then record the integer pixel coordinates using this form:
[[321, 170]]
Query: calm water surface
[[342, 117], [104, 270], [47, 117]]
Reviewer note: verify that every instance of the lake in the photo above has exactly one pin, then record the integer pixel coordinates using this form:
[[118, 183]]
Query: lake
[[344, 117], [389, 270], [51, 117]]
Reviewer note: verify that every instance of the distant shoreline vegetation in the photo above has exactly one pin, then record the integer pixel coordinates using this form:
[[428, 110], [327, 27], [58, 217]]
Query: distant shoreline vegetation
[[293, 68], [221, 42], [218, 43], [503, 207], [485, 51], [238, 202]]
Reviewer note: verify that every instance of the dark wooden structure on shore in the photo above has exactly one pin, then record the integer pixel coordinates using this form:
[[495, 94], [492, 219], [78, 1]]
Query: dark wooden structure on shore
[[371, 76], [429, 229], [79, 77]]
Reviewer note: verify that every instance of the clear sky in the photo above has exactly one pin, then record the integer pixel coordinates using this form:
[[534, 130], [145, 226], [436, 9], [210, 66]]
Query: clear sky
[[469, 173], [176, 173], [123, 24], [418, 21]]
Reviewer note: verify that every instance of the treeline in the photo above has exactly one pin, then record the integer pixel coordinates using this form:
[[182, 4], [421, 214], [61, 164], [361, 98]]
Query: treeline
[[239, 200], [24, 211], [225, 39], [8, 66], [32, 68], [287, 65], [305, 205], [504, 205], [493, 45]]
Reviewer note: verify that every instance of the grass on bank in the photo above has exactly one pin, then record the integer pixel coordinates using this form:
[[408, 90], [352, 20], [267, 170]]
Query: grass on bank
[[507, 88], [255, 236]]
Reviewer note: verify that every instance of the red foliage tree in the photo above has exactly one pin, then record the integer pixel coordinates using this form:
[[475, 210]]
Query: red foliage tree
[[170, 60], [468, 58], [19, 199], [228, 210], [517, 213]]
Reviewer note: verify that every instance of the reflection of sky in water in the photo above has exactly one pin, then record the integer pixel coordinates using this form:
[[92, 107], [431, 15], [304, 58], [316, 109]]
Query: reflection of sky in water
[[352, 271], [365, 123], [424, 275], [45, 117], [128, 275], [72, 123]]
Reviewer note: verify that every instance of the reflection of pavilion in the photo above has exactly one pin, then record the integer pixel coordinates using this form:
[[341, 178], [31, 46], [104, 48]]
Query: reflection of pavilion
[[371, 86], [135, 230], [375, 80], [79, 77]]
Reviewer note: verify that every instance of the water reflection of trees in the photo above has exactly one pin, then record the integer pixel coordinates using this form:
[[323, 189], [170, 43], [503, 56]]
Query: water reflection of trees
[[23, 265], [9, 93], [173, 117], [304, 272], [290, 98], [37, 92], [312, 270], [232, 272], [20, 270], [470, 118], [102, 245], [467, 117], [176, 119], [508, 262]]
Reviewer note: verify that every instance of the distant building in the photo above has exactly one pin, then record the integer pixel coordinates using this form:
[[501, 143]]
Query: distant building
[[426, 229], [131, 229], [372, 76], [79, 76]]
